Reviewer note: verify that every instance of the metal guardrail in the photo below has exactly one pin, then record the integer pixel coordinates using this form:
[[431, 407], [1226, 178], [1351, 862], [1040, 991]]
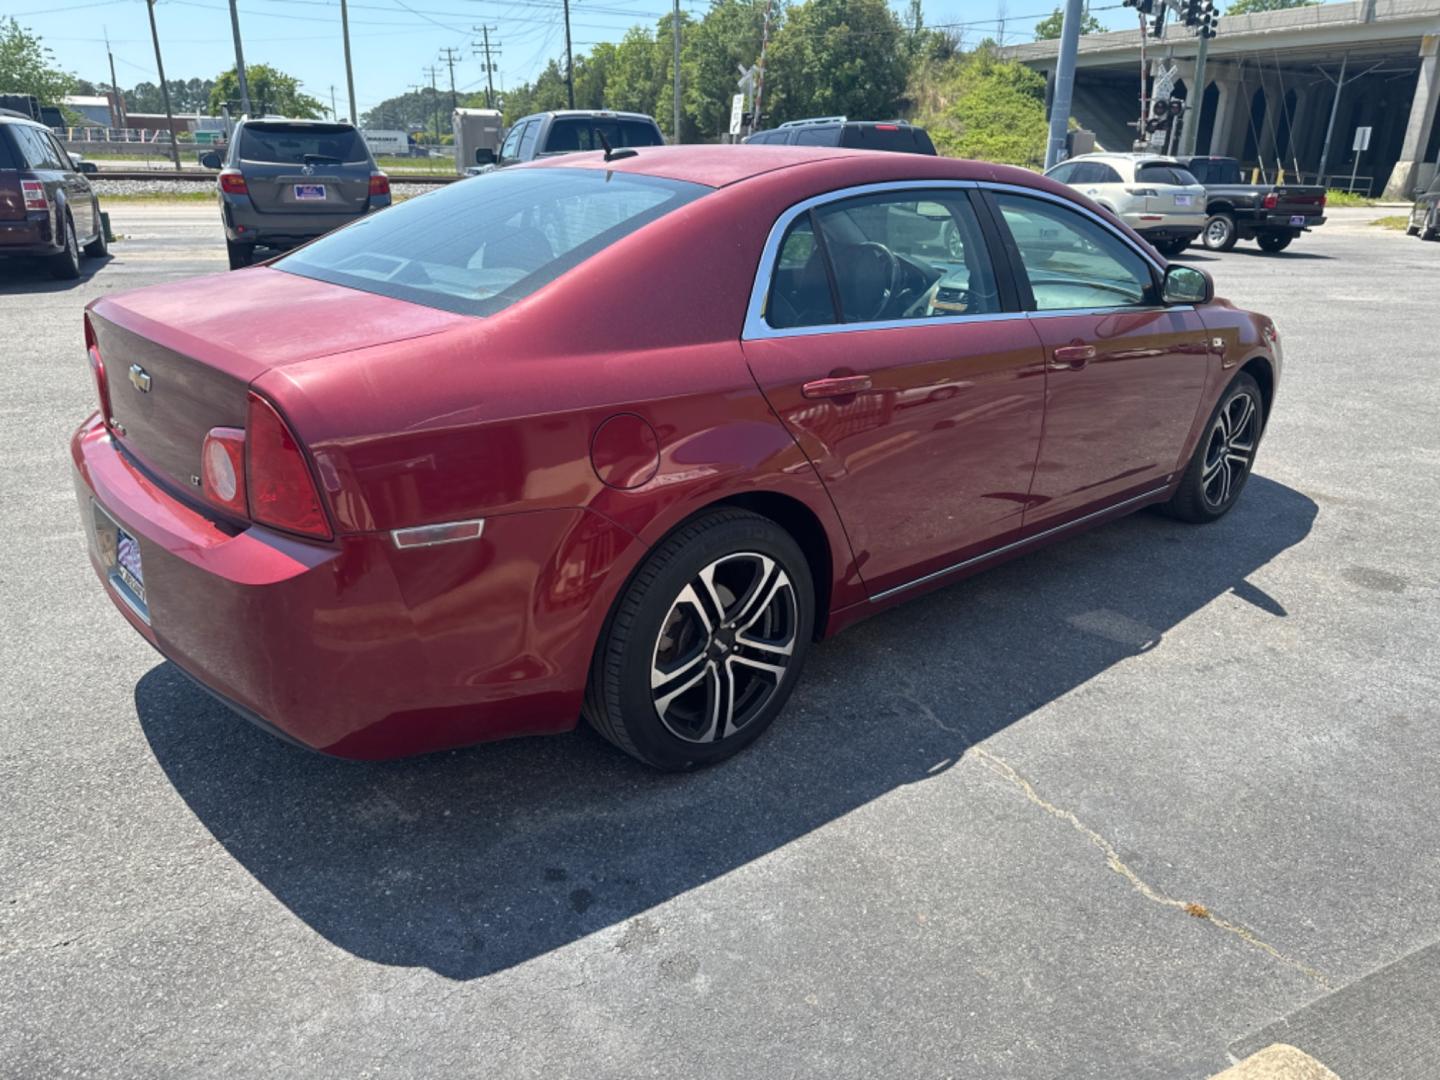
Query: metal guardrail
[[200, 176]]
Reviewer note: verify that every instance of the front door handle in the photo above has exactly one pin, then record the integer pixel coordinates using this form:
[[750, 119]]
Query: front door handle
[[1072, 357], [836, 386]]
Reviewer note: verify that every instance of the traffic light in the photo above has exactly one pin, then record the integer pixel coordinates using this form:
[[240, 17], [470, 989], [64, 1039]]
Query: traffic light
[[1144, 7], [1190, 12]]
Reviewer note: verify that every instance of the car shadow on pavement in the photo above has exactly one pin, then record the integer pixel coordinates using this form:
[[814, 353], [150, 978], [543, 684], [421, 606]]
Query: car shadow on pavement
[[472, 861], [23, 275]]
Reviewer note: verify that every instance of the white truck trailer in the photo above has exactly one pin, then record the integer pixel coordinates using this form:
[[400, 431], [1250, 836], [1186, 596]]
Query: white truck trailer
[[476, 130]]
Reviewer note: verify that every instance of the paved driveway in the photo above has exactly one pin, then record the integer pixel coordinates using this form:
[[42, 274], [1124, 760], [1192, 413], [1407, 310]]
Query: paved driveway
[[1103, 812]]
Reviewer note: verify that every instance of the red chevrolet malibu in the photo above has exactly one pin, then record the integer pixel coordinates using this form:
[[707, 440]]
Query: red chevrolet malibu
[[620, 438]]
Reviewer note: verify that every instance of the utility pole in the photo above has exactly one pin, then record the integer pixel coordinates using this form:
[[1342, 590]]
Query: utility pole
[[118, 108], [1064, 83], [333, 114], [349, 71], [448, 55], [434, 72], [164, 87], [489, 67], [569, 62], [676, 18], [239, 59], [755, 117]]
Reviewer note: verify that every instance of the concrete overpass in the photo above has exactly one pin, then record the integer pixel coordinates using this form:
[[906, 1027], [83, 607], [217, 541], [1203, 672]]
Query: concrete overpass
[[1274, 88]]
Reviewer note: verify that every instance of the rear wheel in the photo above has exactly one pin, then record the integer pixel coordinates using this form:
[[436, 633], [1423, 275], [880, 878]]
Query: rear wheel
[[1412, 230], [706, 643], [1222, 461], [1274, 242], [66, 264], [1430, 232], [241, 255], [1220, 233]]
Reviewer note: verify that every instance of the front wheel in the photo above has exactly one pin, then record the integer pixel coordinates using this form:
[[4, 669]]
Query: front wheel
[[706, 643], [1274, 242], [1219, 233], [1222, 461]]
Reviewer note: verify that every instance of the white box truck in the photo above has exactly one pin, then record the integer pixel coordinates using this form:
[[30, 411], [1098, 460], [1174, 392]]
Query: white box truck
[[478, 134], [388, 143]]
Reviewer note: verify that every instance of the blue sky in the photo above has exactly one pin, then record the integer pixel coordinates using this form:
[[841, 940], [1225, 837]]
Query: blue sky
[[392, 40]]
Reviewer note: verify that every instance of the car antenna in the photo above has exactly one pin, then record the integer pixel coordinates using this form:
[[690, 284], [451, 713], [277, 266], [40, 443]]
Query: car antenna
[[613, 155]]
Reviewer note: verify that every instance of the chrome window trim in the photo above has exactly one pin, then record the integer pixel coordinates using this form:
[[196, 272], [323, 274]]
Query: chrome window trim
[[757, 329], [993, 552]]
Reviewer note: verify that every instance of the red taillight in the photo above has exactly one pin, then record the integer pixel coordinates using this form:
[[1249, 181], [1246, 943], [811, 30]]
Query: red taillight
[[232, 182], [222, 469], [97, 368], [34, 192], [887, 127], [1324, 199], [1271, 201], [379, 184], [282, 491]]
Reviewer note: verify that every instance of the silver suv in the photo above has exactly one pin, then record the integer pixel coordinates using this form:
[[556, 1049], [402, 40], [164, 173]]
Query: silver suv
[[283, 182]]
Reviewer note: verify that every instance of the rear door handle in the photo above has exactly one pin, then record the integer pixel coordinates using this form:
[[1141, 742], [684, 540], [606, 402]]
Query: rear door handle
[[836, 386], [1072, 357]]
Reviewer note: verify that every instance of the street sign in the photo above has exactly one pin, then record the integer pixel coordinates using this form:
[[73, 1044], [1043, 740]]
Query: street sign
[[737, 113], [1362, 140]]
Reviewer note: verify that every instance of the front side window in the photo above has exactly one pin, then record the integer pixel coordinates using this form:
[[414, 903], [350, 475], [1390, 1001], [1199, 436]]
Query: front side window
[[302, 144], [478, 246], [1071, 261], [883, 258], [512, 142], [528, 137]]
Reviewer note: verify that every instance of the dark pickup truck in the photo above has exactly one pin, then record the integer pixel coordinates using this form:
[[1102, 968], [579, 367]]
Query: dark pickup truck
[[1271, 214]]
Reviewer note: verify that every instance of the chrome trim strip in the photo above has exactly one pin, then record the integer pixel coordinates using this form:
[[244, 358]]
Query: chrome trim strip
[[122, 590], [756, 328], [1018, 543], [1148, 309]]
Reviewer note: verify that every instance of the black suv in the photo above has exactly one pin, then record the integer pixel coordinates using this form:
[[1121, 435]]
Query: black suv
[[852, 134], [567, 131], [1425, 214], [46, 207]]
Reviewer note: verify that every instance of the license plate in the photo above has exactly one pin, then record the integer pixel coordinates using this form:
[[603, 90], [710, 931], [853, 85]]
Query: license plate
[[120, 559], [1184, 200], [310, 192], [1297, 219], [127, 563]]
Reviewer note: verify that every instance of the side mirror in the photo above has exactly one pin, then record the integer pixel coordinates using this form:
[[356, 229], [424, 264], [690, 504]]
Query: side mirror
[[484, 156], [210, 159], [1187, 285], [89, 168]]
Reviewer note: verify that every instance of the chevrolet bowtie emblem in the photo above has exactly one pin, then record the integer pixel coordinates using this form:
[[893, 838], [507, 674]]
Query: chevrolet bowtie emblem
[[139, 378]]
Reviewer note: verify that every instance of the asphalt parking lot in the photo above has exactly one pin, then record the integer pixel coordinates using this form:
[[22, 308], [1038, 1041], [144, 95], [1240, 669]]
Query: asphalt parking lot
[[1130, 807]]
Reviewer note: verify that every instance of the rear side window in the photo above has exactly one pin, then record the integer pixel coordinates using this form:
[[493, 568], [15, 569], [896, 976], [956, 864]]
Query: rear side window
[[818, 136], [7, 155], [478, 246], [1216, 172], [1063, 174], [1165, 174], [36, 150], [301, 144]]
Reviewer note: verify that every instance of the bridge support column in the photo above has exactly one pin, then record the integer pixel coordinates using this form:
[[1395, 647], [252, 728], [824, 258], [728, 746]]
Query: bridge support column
[[1422, 118], [1228, 88]]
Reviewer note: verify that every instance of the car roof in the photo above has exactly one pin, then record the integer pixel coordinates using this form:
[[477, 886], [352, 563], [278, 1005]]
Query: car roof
[[608, 113], [722, 165], [1136, 157]]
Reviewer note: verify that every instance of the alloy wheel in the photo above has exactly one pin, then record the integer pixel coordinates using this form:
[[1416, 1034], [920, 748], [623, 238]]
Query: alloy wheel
[[724, 647], [1217, 232], [1231, 449]]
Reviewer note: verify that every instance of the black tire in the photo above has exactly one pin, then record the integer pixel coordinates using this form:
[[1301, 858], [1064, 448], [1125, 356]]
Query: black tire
[[1214, 479], [676, 725], [1274, 243], [1412, 230], [241, 255], [1173, 246], [1220, 233], [1430, 232], [66, 264], [99, 247]]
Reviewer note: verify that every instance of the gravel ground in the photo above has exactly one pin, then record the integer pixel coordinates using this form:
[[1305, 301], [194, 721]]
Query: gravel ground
[[1098, 813]]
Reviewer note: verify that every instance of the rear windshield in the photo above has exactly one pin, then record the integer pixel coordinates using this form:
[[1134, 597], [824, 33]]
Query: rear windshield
[[887, 137], [1166, 174], [477, 246], [579, 133], [1222, 171], [301, 144]]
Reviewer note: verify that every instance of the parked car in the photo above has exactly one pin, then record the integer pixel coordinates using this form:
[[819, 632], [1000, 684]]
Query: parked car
[[1425, 214], [47, 207], [89, 168], [536, 446], [1154, 195], [851, 134], [1272, 215], [284, 182], [568, 131]]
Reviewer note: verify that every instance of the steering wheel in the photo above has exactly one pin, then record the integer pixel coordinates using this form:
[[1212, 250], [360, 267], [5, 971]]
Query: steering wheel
[[884, 266]]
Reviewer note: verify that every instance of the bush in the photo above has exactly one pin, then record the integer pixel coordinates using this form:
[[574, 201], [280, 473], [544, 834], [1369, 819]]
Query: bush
[[978, 106]]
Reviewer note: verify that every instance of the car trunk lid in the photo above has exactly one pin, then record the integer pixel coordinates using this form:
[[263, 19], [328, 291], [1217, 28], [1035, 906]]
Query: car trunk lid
[[179, 359]]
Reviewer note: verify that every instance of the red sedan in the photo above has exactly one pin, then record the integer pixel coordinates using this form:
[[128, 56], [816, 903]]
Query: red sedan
[[622, 438]]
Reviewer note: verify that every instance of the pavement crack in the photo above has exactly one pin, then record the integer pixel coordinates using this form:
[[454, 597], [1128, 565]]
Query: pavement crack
[[1003, 769]]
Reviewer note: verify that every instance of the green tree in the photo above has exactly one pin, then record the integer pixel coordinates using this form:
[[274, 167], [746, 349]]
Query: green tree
[[978, 106], [271, 91], [28, 67], [1049, 28], [835, 57], [716, 47], [1254, 7]]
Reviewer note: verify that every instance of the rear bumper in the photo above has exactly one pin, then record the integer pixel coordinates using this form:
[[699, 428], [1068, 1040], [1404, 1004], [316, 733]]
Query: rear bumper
[[29, 237], [1148, 223], [1280, 220], [355, 648], [244, 224]]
